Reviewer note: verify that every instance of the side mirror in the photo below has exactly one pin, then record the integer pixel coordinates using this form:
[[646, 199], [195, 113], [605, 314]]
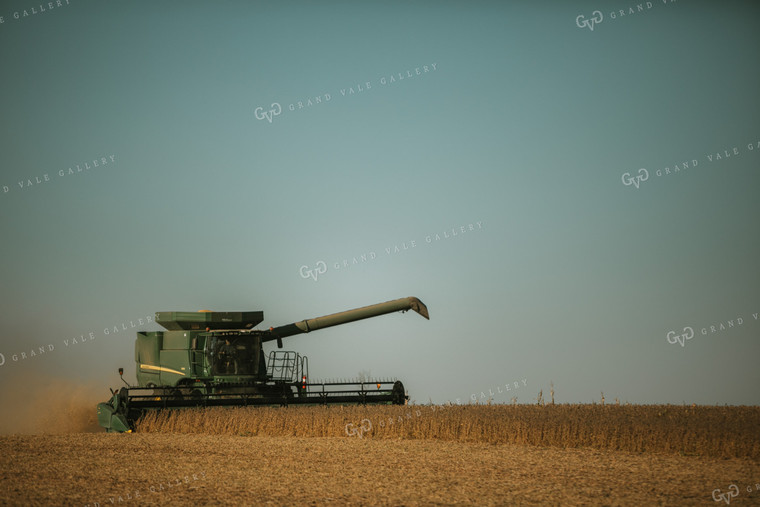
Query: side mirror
[[121, 374]]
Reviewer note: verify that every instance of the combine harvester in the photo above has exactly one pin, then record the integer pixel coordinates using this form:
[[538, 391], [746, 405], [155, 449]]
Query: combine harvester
[[209, 359]]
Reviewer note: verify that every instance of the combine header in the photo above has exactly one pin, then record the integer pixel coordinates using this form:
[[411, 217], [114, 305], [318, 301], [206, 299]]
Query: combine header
[[207, 359]]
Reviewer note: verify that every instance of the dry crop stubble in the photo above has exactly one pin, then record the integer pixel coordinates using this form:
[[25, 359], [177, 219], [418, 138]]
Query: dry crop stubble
[[108, 469]]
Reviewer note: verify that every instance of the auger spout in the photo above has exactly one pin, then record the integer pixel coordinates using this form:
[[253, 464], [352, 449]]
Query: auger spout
[[365, 312]]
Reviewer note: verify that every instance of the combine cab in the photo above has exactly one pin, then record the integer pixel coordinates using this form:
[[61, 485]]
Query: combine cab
[[207, 359]]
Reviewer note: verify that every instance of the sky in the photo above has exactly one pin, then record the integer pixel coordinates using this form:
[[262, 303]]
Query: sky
[[247, 152]]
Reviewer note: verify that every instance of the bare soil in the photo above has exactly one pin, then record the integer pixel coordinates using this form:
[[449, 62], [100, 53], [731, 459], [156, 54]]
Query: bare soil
[[173, 469]]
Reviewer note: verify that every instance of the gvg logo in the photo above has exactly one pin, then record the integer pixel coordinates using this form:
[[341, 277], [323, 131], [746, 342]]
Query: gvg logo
[[673, 337], [353, 431], [275, 110], [688, 332], [629, 180], [320, 268], [733, 491], [596, 18]]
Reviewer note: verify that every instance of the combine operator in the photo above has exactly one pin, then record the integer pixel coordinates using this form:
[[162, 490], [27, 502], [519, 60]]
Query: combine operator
[[227, 364]]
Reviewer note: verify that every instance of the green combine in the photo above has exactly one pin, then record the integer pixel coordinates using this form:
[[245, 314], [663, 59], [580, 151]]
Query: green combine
[[207, 359]]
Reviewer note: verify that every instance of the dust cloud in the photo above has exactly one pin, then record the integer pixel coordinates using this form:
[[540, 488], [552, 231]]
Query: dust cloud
[[39, 404]]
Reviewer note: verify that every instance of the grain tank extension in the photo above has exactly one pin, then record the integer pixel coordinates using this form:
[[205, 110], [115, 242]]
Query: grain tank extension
[[206, 359]]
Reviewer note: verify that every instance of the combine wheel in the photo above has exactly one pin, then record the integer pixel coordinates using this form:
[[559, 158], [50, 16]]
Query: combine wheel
[[399, 393]]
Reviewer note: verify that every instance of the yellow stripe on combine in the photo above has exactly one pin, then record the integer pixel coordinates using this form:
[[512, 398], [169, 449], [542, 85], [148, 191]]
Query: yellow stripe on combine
[[160, 368]]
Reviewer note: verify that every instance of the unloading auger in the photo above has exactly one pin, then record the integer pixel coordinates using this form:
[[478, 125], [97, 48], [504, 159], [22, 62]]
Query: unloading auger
[[207, 359]]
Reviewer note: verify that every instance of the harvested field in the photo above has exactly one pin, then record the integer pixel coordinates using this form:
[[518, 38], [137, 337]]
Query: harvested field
[[722, 432], [395, 455], [171, 469]]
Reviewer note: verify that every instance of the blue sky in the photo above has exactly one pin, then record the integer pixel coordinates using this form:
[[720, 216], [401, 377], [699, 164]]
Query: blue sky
[[527, 125]]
